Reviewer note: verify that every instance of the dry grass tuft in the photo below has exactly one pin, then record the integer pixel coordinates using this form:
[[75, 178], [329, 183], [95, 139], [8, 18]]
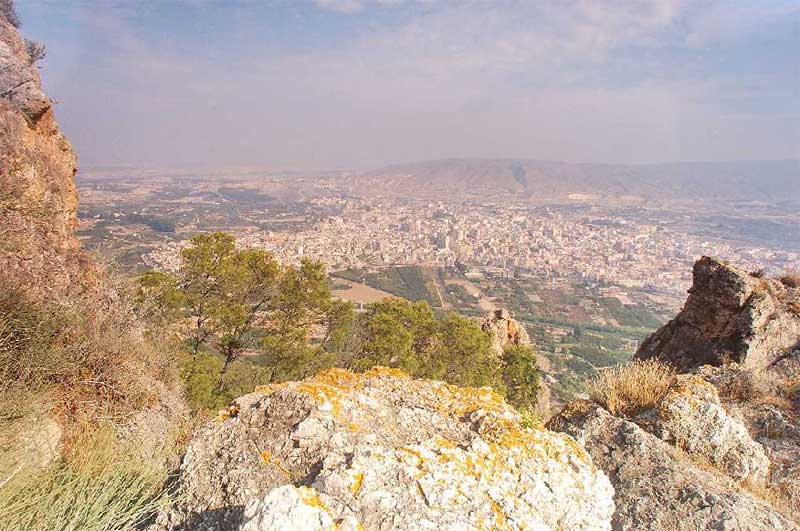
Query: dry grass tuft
[[790, 279], [633, 388], [100, 486]]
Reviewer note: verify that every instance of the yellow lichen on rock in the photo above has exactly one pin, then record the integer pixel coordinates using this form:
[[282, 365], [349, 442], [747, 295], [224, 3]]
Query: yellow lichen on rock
[[227, 413], [390, 372], [358, 480]]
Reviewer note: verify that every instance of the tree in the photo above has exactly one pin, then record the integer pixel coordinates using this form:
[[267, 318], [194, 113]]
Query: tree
[[247, 288], [200, 281], [462, 354], [158, 298], [236, 299], [395, 332], [521, 377]]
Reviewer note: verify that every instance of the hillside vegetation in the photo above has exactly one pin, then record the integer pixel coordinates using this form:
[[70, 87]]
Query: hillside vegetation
[[245, 321]]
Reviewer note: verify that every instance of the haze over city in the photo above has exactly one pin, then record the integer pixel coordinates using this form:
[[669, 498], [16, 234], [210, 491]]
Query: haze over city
[[357, 84], [399, 265]]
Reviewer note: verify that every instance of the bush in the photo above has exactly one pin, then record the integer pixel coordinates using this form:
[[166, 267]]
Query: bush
[[8, 12], [521, 377], [633, 388], [99, 487], [89, 353], [35, 50], [790, 279]]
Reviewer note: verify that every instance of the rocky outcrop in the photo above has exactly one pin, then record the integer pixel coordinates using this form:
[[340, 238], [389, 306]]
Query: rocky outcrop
[[691, 417], [767, 405], [505, 331], [380, 451], [658, 487], [730, 316], [720, 449], [38, 199]]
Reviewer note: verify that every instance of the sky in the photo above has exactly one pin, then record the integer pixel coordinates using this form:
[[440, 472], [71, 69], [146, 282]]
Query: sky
[[357, 84]]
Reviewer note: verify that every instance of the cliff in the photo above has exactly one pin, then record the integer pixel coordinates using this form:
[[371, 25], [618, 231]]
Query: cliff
[[38, 199]]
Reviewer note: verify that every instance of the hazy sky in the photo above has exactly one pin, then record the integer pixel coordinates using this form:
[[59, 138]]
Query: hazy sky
[[360, 83]]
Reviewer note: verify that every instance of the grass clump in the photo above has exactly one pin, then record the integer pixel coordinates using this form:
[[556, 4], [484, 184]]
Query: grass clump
[[633, 388], [790, 279], [99, 486]]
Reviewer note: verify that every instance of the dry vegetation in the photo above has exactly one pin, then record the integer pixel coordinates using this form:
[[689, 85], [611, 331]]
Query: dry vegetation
[[87, 354], [8, 12], [790, 279], [633, 388], [751, 386], [87, 361], [100, 486]]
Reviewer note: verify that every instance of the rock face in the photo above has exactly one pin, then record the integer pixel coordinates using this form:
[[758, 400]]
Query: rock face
[[505, 330], [720, 450], [730, 315], [380, 451], [692, 418], [657, 487], [767, 404], [38, 199]]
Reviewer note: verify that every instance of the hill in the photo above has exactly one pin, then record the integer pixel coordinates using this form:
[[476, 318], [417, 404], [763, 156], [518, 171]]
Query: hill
[[749, 181]]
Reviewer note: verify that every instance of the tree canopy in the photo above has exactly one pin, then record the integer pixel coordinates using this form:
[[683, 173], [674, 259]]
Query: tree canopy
[[226, 302]]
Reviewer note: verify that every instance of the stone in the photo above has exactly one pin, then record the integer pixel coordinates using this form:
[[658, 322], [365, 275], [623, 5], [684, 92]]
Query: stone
[[287, 508], [691, 417], [505, 331], [384, 452], [657, 487], [729, 316], [38, 197]]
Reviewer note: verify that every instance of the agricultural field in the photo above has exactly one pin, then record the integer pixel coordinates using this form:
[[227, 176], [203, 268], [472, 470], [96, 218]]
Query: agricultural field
[[415, 283]]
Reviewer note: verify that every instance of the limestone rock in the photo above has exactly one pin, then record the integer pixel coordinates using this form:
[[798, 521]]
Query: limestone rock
[[771, 417], [730, 315], [657, 487], [505, 330], [287, 508], [691, 417], [385, 452], [38, 198]]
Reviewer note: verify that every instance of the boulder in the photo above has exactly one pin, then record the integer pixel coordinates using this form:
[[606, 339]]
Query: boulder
[[381, 451], [729, 316], [691, 417], [657, 487], [766, 403]]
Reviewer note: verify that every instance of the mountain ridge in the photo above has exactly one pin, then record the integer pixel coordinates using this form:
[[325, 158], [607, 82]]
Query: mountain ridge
[[752, 180]]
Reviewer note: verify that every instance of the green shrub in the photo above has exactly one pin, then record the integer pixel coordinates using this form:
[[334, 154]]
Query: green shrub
[[521, 377]]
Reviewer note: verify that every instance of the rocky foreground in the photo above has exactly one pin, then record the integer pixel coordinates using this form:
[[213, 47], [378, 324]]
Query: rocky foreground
[[381, 451]]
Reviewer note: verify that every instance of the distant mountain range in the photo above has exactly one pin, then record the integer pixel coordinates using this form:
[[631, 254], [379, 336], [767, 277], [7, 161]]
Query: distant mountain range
[[757, 181]]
